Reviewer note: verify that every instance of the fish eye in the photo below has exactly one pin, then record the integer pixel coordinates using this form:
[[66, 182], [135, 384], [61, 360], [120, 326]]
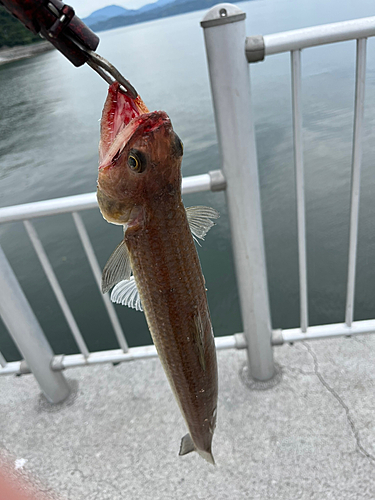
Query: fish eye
[[136, 162]]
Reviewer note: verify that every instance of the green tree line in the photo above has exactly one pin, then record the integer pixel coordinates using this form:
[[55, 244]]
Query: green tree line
[[12, 32]]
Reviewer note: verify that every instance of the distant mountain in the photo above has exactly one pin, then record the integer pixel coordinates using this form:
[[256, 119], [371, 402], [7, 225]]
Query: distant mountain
[[105, 13], [159, 9], [151, 6]]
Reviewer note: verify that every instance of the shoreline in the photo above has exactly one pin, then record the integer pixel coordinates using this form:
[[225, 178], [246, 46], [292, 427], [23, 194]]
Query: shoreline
[[19, 52]]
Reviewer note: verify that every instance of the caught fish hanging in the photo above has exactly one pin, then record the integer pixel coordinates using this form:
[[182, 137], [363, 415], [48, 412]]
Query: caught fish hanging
[[156, 268]]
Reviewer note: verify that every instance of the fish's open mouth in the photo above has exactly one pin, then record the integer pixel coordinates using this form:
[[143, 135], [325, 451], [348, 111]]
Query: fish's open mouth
[[119, 110], [121, 117]]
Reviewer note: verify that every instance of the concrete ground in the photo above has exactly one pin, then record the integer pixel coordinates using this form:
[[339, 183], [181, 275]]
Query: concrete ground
[[310, 437]]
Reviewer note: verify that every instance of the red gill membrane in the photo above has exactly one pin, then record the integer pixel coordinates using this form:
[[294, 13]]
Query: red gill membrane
[[119, 109]]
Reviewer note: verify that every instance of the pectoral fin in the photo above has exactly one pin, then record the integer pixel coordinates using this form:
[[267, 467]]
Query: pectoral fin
[[200, 222], [126, 293], [117, 268]]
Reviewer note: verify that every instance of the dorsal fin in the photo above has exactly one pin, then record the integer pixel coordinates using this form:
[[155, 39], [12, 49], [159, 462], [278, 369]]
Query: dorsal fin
[[126, 293], [117, 268], [200, 222]]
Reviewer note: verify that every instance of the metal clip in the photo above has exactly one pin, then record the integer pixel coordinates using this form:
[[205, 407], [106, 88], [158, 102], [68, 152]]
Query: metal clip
[[57, 23], [63, 19], [105, 69], [109, 73]]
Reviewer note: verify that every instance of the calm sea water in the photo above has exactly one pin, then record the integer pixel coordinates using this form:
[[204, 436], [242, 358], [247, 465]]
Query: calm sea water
[[49, 134]]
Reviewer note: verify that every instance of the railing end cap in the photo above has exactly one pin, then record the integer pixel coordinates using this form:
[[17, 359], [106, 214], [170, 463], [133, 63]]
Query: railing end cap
[[254, 48], [222, 13]]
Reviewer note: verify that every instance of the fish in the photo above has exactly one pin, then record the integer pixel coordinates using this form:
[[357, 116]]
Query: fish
[[156, 268]]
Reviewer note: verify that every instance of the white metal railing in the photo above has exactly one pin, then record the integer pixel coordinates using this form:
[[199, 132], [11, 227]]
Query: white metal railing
[[194, 184], [319, 35], [228, 54], [227, 51], [2, 361], [21, 321], [294, 41], [26, 332], [300, 185], [62, 362]]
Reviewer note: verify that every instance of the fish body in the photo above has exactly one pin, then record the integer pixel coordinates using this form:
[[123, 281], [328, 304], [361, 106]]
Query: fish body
[[139, 187]]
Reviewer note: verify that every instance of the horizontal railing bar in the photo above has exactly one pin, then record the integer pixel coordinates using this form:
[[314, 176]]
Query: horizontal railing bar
[[192, 184], [48, 207], [12, 368], [134, 353], [237, 341], [62, 362], [319, 35], [196, 183], [280, 337]]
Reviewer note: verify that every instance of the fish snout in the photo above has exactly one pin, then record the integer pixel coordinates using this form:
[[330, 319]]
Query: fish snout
[[156, 120]]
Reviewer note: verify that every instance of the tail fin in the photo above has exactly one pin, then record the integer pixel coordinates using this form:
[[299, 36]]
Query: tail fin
[[187, 446], [207, 455]]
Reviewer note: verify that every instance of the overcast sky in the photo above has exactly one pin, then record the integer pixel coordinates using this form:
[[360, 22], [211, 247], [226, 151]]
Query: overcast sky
[[83, 8]]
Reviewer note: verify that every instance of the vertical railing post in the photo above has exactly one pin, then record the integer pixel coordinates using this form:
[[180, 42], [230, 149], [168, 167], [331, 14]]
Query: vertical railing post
[[27, 334], [225, 36], [300, 187], [359, 109]]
